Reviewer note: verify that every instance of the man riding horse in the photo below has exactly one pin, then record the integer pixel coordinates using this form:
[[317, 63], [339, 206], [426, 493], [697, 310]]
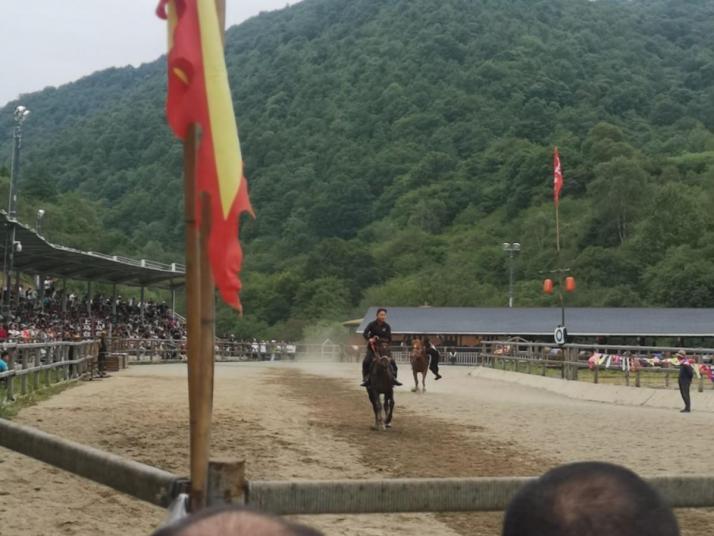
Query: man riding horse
[[376, 331]]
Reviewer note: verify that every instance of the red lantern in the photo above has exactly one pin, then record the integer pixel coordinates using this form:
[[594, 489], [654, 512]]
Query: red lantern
[[548, 286], [570, 284]]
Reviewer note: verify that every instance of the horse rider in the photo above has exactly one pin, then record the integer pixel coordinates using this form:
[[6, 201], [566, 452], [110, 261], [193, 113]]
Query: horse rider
[[433, 354], [377, 330]]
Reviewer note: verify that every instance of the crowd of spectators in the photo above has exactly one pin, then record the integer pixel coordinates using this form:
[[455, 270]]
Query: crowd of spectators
[[56, 314]]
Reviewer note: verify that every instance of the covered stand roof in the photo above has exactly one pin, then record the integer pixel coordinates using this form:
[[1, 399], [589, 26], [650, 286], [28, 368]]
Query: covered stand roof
[[542, 321], [40, 257]]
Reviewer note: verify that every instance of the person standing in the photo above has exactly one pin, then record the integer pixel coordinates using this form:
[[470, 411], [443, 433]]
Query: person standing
[[434, 357], [4, 366], [685, 380]]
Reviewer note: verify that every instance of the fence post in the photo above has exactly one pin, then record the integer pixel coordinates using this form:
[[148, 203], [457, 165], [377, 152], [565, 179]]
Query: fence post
[[596, 373], [226, 482], [49, 360], [11, 379], [23, 379], [545, 366], [701, 376], [36, 374], [666, 377], [65, 357], [637, 377]]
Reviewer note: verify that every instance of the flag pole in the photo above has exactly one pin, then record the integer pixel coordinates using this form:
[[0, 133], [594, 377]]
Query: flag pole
[[557, 227], [200, 317], [198, 445]]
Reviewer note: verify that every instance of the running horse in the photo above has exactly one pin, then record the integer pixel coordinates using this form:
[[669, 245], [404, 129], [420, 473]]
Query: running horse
[[381, 383], [420, 364]]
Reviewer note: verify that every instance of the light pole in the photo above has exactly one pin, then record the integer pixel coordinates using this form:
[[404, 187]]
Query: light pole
[[20, 115], [38, 221], [511, 249]]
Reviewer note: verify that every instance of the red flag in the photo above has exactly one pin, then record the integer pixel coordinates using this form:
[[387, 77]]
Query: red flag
[[557, 177], [198, 93]]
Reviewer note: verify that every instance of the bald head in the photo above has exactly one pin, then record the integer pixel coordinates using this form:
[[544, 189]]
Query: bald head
[[589, 499], [234, 521]]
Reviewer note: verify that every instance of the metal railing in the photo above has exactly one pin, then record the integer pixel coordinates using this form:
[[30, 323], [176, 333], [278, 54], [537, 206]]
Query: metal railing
[[163, 350], [34, 366], [638, 366]]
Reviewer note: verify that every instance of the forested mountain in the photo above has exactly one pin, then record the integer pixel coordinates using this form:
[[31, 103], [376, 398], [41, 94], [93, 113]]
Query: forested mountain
[[392, 146]]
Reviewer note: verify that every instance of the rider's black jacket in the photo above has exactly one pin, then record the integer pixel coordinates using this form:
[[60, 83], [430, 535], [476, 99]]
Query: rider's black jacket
[[377, 329]]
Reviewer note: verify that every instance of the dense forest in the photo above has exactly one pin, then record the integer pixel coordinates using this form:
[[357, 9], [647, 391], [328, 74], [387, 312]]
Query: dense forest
[[392, 147]]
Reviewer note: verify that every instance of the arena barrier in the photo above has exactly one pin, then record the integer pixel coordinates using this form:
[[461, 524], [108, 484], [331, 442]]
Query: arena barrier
[[226, 483], [640, 366], [34, 366], [149, 351], [133, 478], [434, 495]]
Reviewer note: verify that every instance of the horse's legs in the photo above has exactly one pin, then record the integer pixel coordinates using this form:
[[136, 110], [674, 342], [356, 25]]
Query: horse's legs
[[377, 406], [374, 399], [389, 407], [423, 380], [416, 382]]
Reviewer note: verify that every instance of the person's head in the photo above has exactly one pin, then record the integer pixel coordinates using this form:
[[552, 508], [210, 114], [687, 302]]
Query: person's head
[[589, 499], [234, 521], [382, 314], [681, 355]]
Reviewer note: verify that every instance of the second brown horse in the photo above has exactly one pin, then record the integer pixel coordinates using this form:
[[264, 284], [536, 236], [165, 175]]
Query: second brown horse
[[420, 364]]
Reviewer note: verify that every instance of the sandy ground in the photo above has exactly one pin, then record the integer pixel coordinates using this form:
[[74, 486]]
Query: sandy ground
[[312, 421]]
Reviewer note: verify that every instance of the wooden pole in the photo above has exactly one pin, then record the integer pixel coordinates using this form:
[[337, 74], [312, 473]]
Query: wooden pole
[[557, 227], [200, 318], [198, 444]]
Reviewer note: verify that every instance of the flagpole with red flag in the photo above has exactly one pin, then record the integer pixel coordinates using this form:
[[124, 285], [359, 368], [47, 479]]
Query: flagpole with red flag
[[557, 186], [215, 195]]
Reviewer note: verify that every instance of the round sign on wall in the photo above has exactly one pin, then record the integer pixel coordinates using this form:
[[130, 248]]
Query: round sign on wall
[[560, 335]]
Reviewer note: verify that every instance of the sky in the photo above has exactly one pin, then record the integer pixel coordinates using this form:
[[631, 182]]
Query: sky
[[52, 42]]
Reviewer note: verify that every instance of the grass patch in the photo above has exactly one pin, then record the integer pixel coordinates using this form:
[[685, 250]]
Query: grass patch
[[9, 409]]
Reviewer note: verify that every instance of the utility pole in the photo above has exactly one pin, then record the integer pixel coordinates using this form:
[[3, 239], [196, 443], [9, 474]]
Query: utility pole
[[511, 249], [20, 115]]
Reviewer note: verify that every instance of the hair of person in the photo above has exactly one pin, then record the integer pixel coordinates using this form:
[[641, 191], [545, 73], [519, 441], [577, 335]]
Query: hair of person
[[381, 309], [589, 499], [233, 520]]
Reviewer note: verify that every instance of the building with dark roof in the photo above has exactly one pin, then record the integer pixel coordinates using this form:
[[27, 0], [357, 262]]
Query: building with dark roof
[[465, 326]]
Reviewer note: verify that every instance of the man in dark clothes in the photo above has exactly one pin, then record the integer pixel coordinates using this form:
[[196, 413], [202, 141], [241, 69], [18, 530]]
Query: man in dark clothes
[[685, 380], [433, 354], [377, 330]]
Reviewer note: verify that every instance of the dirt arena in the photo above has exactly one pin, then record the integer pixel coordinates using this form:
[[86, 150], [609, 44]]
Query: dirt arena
[[292, 421]]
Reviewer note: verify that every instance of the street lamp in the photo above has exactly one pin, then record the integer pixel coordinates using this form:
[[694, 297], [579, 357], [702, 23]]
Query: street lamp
[[511, 249], [20, 115], [38, 221]]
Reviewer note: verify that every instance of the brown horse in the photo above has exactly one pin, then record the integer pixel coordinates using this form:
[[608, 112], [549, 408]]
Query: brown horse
[[420, 364], [381, 382]]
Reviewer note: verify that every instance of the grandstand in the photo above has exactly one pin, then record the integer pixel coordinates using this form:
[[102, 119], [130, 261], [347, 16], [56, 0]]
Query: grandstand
[[51, 312]]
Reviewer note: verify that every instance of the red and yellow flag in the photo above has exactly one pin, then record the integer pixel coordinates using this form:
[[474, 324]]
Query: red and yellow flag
[[198, 93]]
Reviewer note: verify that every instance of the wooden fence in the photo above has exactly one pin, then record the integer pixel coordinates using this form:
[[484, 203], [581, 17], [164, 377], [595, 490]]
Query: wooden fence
[[34, 366], [227, 484]]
